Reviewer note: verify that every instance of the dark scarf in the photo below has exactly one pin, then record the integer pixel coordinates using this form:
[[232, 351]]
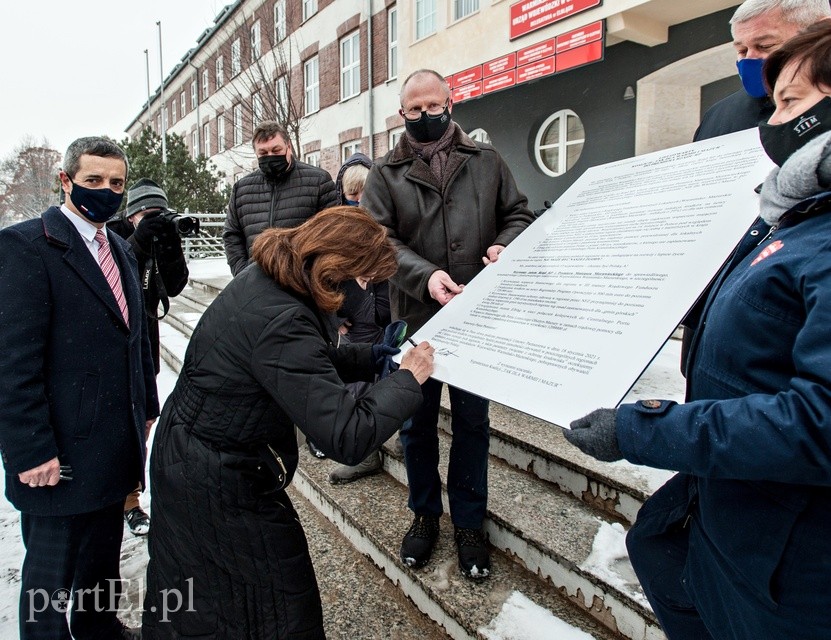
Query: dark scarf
[[436, 153]]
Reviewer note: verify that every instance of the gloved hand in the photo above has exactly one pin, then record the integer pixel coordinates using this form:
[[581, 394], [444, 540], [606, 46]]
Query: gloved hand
[[380, 353], [596, 435], [150, 226]]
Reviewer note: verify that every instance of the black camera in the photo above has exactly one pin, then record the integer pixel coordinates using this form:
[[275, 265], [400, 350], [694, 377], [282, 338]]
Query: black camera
[[186, 226]]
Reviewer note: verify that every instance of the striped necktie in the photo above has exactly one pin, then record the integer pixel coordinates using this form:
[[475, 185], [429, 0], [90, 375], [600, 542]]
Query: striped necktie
[[108, 266]]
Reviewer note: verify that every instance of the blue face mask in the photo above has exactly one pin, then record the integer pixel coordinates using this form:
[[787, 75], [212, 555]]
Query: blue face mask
[[96, 205], [750, 71], [351, 203]]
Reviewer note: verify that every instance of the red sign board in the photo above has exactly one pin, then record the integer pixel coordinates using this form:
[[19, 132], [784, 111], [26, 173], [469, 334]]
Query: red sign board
[[449, 81], [501, 81], [468, 76], [577, 38], [580, 56], [536, 70], [529, 15], [500, 65], [535, 52], [467, 92]]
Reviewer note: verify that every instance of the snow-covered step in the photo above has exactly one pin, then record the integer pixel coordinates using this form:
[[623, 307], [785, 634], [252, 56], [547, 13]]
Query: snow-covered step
[[579, 551], [373, 516]]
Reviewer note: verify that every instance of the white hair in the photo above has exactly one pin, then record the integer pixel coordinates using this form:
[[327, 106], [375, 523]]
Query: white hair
[[802, 13]]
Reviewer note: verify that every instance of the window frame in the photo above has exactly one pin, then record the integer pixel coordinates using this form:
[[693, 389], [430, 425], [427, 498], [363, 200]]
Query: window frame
[[350, 73], [255, 40], [195, 142], [206, 139], [182, 104], [194, 95], [256, 109], [464, 5], [206, 87], [392, 44], [281, 93], [220, 71], [311, 89], [236, 58], [309, 9], [237, 124], [280, 23], [220, 132], [562, 145], [353, 146], [430, 18], [312, 158]]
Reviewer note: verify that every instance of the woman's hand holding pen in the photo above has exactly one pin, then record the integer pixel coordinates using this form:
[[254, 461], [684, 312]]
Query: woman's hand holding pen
[[419, 361]]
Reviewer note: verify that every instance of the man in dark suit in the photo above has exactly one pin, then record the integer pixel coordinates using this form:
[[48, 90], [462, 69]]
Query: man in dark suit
[[78, 396]]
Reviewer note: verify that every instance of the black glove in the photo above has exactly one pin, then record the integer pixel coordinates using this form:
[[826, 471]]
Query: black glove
[[596, 435], [150, 226], [380, 353]]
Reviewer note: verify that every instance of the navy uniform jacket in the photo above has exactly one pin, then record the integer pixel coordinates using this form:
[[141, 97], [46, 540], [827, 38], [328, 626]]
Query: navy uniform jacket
[[76, 382], [753, 442]]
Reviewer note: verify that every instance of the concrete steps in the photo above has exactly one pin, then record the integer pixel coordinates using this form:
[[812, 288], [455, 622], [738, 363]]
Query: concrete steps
[[549, 506]]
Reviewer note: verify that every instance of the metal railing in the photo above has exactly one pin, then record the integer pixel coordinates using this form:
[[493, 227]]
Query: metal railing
[[208, 243]]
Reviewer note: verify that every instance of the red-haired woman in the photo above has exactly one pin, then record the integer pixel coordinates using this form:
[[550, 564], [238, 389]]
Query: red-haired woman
[[263, 359]]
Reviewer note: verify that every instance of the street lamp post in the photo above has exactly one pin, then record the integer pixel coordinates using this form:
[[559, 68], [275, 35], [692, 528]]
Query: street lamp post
[[161, 73]]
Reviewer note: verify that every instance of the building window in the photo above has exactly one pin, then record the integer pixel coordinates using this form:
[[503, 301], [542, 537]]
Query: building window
[[348, 149], [425, 11], [281, 91], [193, 95], [313, 158], [311, 84], [255, 41], [182, 104], [159, 124], [392, 43], [172, 111], [279, 20], [220, 132], [257, 109], [195, 143], [220, 72], [480, 135], [559, 142], [236, 58], [463, 8], [309, 9], [166, 117], [205, 85], [206, 137], [350, 65], [395, 136], [237, 124]]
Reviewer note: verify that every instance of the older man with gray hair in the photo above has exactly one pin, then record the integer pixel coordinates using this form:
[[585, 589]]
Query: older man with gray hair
[[759, 27]]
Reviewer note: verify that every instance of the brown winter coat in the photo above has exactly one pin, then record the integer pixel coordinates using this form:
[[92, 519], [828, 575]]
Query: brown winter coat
[[450, 231]]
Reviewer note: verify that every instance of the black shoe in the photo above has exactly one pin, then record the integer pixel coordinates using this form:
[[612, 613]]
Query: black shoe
[[419, 541], [317, 453], [137, 521], [474, 557]]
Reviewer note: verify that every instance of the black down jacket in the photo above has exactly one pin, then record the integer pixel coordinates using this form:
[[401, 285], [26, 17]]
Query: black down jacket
[[260, 361], [258, 203]]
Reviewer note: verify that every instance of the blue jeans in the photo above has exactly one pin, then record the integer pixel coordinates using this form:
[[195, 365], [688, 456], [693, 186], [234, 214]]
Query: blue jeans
[[467, 473]]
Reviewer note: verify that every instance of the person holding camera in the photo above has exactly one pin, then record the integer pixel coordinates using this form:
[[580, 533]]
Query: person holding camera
[[161, 264]]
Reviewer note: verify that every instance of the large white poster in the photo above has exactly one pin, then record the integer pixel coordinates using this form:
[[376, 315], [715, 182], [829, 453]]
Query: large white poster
[[576, 308]]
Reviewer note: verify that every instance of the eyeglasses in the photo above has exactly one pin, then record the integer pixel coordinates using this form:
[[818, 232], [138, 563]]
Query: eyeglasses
[[433, 111]]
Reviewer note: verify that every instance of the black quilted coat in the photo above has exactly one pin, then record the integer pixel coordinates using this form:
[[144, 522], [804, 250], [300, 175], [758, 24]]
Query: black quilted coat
[[258, 203], [224, 532]]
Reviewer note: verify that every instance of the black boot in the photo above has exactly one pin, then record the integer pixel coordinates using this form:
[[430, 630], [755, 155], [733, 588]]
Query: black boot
[[474, 557], [418, 543]]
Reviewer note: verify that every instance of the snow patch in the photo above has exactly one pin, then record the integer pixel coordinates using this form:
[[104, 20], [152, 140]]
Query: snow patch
[[522, 619], [609, 561]]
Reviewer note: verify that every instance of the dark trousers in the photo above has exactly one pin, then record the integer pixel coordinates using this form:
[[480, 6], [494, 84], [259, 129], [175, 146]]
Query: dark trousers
[[71, 556], [659, 560], [467, 472]]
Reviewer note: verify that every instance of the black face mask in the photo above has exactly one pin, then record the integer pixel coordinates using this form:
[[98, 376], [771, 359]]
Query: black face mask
[[780, 141], [96, 205], [273, 166], [428, 128]]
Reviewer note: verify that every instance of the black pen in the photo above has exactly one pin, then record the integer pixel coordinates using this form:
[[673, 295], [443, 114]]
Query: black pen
[[412, 342]]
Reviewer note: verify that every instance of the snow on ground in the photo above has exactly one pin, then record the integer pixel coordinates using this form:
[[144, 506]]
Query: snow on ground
[[609, 561], [522, 619]]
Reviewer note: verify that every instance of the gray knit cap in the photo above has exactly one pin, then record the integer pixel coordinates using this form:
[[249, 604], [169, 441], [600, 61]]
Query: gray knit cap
[[145, 194]]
